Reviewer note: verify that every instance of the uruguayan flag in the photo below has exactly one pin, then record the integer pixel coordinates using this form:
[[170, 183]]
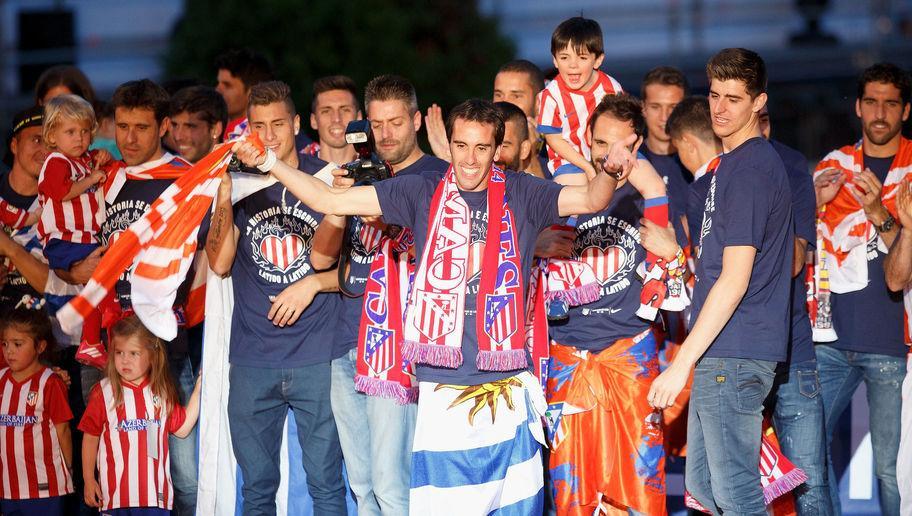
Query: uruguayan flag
[[484, 467]]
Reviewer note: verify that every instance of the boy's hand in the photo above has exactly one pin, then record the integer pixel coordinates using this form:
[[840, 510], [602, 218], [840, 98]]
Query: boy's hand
[[102, 158], [97, 176]]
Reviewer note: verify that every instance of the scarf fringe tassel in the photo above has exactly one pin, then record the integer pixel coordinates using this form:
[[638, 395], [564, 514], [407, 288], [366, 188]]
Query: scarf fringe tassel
[[576, 296], [432, 354], [386, 389], [784, 484], [509, 360]]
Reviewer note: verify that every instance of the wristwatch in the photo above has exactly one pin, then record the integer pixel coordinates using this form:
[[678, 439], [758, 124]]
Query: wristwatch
[[887, 225]]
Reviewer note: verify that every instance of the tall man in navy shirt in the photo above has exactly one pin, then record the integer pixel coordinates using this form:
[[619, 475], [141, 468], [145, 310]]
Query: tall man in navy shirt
[[477, 408], [376, 432], [867, 315], [741, 297], [281, 328]]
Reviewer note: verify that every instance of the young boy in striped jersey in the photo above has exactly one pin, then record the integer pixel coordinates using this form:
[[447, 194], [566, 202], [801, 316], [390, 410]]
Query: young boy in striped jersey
[[566, 104]]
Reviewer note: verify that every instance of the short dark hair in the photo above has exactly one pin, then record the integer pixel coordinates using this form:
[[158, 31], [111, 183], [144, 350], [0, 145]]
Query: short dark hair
[[887, 73], [203, 100], [142, 94], [582, 33], [330, 83], [511, 113], [534, 73], [246, 64], [665, 76], [391, 87], [270, 92], [739, 64], [624, 107], [477, 110], [64, 75], [691, 115]]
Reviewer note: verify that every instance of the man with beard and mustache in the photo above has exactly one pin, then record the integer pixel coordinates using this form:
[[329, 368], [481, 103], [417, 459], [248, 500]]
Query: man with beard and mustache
[[516, 150], [378, 468], [856, 198]]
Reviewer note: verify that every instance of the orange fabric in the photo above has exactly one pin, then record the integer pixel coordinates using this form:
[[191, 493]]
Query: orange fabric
[[606, 440]]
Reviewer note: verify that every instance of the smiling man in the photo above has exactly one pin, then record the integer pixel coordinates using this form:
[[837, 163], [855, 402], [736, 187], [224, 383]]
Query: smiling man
[[334, 105], [198, 118], [464, 325], [279, 350], [741, 297]]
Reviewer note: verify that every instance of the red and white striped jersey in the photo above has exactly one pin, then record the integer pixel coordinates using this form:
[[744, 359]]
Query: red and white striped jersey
[[130, 476], [566, 112], [32, 461], [77, 220]]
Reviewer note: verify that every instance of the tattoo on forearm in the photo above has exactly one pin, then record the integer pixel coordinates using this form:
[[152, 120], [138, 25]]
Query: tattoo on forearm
[[215, 238]]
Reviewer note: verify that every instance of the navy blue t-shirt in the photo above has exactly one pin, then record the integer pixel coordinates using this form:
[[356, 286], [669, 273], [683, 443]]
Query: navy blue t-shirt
[[676, 178], [870, 320], [273, 251], [750, 204], [347, 336], [804, 215], [16, 287], [696, 203], [406, 201], [611, 238]]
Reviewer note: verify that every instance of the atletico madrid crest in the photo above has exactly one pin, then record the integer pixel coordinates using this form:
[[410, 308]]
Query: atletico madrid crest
[[32, 398], [500, 317], [438, 314], [378, 349]]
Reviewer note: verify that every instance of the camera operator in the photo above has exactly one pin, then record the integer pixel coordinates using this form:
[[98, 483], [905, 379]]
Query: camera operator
[[378, 470]]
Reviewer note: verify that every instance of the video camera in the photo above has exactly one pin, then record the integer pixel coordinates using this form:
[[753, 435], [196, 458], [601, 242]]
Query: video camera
[[367, 168]]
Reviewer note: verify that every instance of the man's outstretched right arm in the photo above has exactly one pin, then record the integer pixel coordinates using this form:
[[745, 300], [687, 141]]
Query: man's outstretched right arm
[[359, 200]]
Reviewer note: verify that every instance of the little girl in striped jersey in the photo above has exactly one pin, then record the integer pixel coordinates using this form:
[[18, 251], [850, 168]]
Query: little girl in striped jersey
[[36, 448], [70, 196], [128, 418]]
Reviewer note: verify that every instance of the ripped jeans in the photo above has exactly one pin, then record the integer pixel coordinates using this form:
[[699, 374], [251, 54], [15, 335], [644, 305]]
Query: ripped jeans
[[841, 372]]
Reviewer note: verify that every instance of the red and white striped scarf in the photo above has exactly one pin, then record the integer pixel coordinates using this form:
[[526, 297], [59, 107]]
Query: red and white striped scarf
[[435, 316], [381, 370], [843, 231], [778, 475], [162, 244]]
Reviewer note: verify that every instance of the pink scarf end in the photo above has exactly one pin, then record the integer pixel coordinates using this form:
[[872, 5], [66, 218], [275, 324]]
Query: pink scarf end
[[509, 360], [432, 354], [783, 484], [386, 389], [581, 295]]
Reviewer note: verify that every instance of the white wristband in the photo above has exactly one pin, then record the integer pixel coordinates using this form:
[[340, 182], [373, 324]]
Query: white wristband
[[270, 162]]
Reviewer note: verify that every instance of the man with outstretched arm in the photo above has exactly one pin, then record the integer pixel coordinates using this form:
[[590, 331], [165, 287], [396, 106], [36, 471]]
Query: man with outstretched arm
[[478, 404]]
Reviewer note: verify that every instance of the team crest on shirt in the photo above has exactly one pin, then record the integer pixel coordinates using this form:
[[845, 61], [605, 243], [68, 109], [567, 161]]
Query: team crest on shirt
[[609, 245], [280, 240], [32, 398], [156, 400]]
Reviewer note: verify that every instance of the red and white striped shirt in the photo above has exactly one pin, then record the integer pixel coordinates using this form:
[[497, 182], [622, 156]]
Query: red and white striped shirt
[[128, 475], [566, 112], [77, 220], [32, 461]]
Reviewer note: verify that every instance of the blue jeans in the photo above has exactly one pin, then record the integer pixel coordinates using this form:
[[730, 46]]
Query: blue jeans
[[724, 426], [798, 419], [183, 452], [258, 403], [840, 374], [376, 436]]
